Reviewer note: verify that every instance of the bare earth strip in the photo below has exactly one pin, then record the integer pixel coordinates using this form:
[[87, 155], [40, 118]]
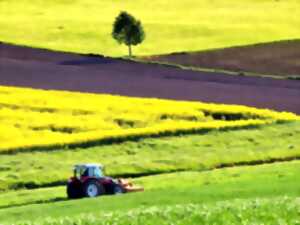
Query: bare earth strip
[[280, 58], [21, 66]]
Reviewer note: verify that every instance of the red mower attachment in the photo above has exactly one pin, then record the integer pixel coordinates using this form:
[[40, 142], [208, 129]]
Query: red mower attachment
[[129, 187]]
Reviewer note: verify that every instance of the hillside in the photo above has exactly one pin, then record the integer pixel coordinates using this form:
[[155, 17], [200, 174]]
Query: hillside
[[195, 120], [210, 155], [65, 119], [191, 25], [266, 194], [44, 69], [276, 59]]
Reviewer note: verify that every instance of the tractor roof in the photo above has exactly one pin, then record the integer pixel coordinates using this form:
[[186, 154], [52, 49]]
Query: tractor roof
[[89, 165]]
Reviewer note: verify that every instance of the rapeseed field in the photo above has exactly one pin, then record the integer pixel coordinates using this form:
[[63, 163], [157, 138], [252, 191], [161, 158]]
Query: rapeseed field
[[32, 119]]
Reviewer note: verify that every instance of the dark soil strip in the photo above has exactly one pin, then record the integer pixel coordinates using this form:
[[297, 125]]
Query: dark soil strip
[[37, 68], [276, 58]]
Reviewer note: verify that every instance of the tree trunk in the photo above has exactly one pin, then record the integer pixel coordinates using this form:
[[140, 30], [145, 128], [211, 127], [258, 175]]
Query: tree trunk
[[130, 50]]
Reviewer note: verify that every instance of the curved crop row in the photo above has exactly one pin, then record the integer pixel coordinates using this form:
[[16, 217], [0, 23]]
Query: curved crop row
[[37, 119]]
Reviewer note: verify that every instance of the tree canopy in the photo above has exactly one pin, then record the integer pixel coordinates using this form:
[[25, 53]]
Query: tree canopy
[[128, 30]]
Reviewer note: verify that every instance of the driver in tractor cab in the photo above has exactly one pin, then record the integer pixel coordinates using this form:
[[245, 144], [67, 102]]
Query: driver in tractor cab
[[93, 171]]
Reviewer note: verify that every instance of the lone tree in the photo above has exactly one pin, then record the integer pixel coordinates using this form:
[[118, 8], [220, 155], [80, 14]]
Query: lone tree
[[128, 30]]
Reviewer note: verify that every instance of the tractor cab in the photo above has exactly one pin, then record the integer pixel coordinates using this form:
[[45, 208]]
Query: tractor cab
[[88, 170]]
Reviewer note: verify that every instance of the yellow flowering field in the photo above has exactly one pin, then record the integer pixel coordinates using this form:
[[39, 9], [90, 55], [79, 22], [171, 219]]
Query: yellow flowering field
[[39, 119]]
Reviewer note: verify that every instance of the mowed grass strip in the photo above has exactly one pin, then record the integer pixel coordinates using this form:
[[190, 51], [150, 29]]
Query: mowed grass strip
[[155, 155], [166, 190], [36, 119], [170, 26]]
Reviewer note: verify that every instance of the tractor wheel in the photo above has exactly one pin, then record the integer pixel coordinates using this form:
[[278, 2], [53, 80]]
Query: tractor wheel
[[73, 191], [93, 189], [118, 190]]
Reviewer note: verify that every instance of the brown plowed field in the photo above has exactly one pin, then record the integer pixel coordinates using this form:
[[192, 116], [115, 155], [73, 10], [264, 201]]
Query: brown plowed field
[[278, 58], [21, 66]]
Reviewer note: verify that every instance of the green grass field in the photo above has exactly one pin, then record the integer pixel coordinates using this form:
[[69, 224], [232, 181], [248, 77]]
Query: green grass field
[[179, 171], [279, 210], [258, 211], [264, 183], [154, 156], [198, 184], [187, 189], [85, 26]]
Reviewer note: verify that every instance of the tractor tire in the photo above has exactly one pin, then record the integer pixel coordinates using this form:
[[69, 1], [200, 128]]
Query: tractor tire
[[92, 189], [73, 191], [118, 189]]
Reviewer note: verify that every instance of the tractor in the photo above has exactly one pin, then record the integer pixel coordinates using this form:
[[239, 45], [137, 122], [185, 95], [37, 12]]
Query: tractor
[[89, 181]]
